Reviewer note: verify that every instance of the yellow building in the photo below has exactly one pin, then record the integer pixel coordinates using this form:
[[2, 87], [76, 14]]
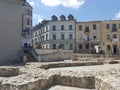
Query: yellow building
[[88, 37], [110, 37]]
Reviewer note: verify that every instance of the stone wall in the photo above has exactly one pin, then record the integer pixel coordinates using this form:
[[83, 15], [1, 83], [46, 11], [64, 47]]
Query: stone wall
[[8, 72], [109, 80], [81, 57], [33, 77], [10, 30], [52, 55]]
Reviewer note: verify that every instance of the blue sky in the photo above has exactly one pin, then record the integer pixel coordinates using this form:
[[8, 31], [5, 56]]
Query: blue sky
[[83, 10]]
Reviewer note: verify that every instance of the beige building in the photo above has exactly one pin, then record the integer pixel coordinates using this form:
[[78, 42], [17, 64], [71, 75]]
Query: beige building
[[88, 37], [110, 36], [10, 30], [27, 24]]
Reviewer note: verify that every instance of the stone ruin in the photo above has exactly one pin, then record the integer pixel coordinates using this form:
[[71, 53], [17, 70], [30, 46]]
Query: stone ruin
[[37, 76]]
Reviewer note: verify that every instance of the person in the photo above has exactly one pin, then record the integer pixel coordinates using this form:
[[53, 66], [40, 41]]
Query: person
[[24, 59]]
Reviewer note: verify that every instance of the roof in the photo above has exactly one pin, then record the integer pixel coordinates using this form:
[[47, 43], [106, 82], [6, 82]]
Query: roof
[[27, 4]]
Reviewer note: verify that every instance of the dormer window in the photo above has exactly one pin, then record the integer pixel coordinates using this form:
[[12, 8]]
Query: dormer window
[[62, 17], [54, 18], [70, 17]]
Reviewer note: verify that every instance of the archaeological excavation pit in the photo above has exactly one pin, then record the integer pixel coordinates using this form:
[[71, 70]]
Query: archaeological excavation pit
[[32, 77], [75, 81], [8, 72]]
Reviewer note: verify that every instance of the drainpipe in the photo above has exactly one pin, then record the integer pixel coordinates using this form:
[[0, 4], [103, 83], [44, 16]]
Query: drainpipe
[[75, 38]]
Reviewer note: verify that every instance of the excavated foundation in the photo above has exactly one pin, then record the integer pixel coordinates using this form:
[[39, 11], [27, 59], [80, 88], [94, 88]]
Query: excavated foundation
[[33, 77], [8, 72]]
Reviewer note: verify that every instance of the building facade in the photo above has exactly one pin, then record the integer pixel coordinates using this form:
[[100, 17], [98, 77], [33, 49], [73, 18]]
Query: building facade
[[110, 37], [26, 24], [55, 34], [82, 37], [10, 30], [88, 37]]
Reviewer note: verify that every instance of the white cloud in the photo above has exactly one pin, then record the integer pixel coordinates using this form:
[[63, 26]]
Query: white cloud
[[32, 3], [39, 18], [117, 15], [66, 3]]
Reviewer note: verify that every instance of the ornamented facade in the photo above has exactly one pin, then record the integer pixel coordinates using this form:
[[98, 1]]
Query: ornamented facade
[[55, 34]]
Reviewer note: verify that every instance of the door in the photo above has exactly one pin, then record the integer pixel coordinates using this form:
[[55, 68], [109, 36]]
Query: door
[[114, 49]]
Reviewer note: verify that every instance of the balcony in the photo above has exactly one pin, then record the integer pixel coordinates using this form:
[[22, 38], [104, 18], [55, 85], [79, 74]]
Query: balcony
[[87, 30], [115, 40]]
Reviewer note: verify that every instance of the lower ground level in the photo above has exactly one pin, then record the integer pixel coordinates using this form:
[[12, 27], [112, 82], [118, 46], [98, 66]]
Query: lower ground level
[[59, 87]]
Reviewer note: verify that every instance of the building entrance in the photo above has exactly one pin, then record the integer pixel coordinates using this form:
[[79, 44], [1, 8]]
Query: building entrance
[[114, 49]]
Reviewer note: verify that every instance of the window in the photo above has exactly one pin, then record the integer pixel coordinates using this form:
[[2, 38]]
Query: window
[[36, 39], [94, 37], [54, 37], [39, 32], [87, 38], [31, 13], [108, 36], [70, 27], [80, 27], [108, 47], [35, 33], [71, 46], [114, 27], [62, 36], [46, 36], [62, 46], [119, 37], [62, 27], [28, 21], [46, 46], [107, 26], [54, 27], [114, 36], [94, 27], [87, 46], [87, 29], [54, 46], [28, 12], [70, 36], [80, 36], [31, 22], [80, 46], [43, 38], [47, 28]]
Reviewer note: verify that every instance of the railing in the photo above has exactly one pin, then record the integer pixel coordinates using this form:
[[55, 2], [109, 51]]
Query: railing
[[34, 53]]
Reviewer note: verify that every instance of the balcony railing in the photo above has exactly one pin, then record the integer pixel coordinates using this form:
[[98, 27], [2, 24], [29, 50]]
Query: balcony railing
[[87, 30], [115, 40]]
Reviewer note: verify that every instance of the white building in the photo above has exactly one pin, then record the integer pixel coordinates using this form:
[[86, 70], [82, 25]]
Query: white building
[[54, 34], [10, 30], [27, 24]]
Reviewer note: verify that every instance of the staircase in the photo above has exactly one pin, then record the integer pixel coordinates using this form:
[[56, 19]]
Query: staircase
[[30, 57]]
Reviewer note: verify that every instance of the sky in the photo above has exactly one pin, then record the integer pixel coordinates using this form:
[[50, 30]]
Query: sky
[[82, 10]]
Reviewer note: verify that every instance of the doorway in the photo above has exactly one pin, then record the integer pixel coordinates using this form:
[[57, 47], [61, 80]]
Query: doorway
[[114, 49]]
